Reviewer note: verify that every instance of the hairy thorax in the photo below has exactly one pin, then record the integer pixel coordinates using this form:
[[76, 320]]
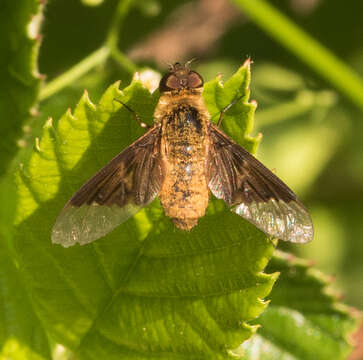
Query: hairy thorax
[[184, 147]]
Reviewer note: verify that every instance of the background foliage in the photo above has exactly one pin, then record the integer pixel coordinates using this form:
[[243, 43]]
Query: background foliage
[[311, 120]]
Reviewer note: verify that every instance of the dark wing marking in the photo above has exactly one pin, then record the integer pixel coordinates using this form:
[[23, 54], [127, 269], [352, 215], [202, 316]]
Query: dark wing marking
[[254, 192], [126, 184]]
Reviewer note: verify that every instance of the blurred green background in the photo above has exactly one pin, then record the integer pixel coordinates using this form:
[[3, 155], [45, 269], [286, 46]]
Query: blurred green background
[[312, 133]]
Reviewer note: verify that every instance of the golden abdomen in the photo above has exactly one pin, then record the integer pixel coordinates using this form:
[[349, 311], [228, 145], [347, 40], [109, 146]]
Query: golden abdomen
[[184, 194]]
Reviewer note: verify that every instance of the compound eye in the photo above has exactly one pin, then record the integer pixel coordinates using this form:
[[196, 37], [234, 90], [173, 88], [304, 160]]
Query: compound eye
[[169, 82], [180, 78], [194, 80]]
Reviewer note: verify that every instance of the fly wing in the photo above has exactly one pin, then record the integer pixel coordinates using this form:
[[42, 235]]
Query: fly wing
[[126, 184], [254, 192]]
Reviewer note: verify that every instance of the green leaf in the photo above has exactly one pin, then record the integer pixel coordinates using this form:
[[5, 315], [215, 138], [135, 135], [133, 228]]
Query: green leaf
[[304, 320], [237, 121], [20, 81], [21, 333], [146, 290]]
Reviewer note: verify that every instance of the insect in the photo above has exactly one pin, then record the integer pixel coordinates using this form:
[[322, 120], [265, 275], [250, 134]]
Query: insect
[[182, 158]]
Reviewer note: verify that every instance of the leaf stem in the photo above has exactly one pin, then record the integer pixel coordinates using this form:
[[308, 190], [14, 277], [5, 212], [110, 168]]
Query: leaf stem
[[122, 9], [305, 47], [113, 34], [95, 58]]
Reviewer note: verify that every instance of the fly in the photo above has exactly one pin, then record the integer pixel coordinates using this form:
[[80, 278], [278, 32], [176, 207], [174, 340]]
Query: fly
[[182, 158]]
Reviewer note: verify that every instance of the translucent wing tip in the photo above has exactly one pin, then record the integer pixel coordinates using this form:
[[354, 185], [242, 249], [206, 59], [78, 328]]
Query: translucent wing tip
[[285, 221], [73, 226], [299, 228], [87, 223], [62, 238]]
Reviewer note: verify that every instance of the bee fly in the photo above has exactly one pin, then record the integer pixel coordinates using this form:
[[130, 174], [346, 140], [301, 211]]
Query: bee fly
[[181, 158]]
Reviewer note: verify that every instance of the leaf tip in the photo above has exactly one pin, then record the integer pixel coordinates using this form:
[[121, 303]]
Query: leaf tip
[[68, 115], [37, 145], [247, 63], [274, 276], [116, 87], [49, 123], [254, 328], [34, 25], [86, 99], [264, 301], [219, 79]]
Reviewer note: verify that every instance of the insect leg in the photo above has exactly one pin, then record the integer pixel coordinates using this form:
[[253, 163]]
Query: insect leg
[[223, 111], [137, 117]]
